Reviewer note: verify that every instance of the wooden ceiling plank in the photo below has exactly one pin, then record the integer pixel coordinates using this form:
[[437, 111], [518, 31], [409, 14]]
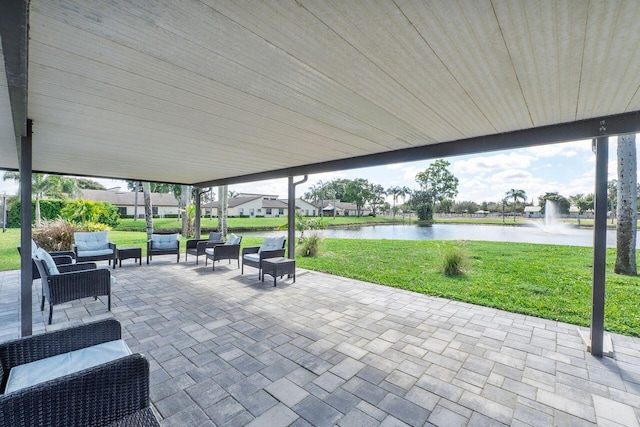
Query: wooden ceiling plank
[[171, 81], [242, 62]]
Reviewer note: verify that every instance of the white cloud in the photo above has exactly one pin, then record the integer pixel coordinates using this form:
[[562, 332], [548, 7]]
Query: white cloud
[[511, 176], [566, 149], [481, 165]]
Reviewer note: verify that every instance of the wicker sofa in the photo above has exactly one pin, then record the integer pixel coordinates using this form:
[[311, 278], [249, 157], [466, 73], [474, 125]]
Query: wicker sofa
[[163, 244], [94, 246], [114, 392]]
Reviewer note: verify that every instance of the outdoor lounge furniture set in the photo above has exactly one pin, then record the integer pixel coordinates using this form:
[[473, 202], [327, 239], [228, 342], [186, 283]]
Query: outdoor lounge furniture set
[[80, 376], [267, 258]]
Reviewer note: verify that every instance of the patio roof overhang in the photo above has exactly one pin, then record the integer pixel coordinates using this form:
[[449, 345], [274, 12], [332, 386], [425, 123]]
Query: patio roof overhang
[[208, 92]]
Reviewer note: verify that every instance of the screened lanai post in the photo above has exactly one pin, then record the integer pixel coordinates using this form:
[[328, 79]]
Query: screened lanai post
[[196, 223], [599, 247], [25, 233], [291, 216]]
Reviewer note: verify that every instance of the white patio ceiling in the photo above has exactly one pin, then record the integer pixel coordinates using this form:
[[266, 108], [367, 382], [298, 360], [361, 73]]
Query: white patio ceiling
[[192, 91]]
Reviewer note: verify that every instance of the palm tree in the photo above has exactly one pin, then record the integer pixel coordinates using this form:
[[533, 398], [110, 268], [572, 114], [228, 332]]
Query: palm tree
[[395, 193], [46, 185], [223, 208], [516, 195], [627, 209], [148, 209]]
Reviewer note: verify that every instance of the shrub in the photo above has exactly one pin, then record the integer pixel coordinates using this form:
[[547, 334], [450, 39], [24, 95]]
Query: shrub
[[455, 260], [81, 211], [93, 226], [56, 235], [310, 246], [49, 210]]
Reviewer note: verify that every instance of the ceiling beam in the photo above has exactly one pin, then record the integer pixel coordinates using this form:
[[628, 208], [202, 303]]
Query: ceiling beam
[[586, 129], [14, 32]]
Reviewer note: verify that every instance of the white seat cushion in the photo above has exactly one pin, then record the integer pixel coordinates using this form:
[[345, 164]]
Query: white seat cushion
[[252, 257], [97, 252], [64, 364]]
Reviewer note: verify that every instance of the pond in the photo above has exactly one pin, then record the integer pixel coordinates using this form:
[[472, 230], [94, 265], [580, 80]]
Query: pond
[[495, 233]]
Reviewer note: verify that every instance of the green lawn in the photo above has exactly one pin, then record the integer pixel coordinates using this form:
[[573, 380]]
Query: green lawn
[[249, 223], [548, 281]]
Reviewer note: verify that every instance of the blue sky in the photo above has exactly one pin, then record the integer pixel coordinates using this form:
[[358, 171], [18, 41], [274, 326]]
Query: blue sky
[[567, 168]]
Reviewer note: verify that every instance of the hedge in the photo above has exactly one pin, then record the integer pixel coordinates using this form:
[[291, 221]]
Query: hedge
[[49, 209]]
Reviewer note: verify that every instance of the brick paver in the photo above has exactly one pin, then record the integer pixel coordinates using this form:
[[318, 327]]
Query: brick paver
[[227, 350]]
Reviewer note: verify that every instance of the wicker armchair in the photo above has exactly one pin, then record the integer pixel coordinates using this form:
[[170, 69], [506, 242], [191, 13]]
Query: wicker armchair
[[271, 248], [198, 246], [112, 393], [163, 244], [229, 250], [60, 257], [71, 282]]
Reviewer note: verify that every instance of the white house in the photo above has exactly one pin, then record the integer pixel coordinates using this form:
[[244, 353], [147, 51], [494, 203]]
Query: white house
[[343, 209], [162, 203]]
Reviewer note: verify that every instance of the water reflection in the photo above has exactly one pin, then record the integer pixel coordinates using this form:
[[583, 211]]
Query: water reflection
[[492, 233]]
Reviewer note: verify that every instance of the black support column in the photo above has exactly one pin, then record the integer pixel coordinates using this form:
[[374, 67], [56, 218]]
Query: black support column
[[599, 246], [26, 273]]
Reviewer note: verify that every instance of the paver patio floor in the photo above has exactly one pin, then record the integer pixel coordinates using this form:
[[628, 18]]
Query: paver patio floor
[[226, 349]]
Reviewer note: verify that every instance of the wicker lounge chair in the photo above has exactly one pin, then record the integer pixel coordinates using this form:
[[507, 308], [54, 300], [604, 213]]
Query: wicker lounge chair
[[272, 247], [69, 282], [114, 392], [163, 244], [94, 247], [197, 246], [228, 250]]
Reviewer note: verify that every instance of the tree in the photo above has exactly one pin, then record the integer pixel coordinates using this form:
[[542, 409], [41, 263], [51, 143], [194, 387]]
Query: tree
[[627, 210], [465, 207], [46, 185], [223, 209], [582, 202], [376, 196], [612, 195], [184, 203], [394, 192], [89, 184], [438, 181], [422, 202], [561, 202], [357, 192], [516, 195], [148, 208]]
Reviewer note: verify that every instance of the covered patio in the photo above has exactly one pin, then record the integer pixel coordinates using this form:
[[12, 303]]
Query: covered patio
[[209, 93], [227, 350]]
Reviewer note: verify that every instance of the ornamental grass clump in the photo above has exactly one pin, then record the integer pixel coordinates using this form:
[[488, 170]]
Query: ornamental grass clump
[[56, 235], [310, 246], [455, 260]]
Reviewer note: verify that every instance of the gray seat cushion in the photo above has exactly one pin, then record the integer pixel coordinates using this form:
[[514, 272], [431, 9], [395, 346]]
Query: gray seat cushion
[[42, 370]]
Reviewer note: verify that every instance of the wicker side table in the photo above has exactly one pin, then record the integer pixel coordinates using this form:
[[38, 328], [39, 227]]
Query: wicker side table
[[279, 267]]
